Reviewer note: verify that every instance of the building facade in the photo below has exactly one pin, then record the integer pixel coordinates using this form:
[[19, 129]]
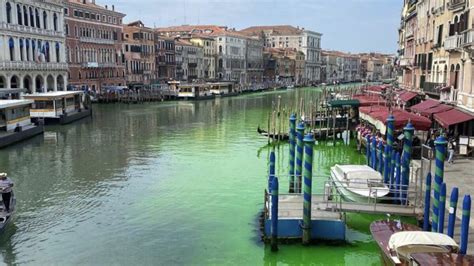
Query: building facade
[[165, 58], [32, 45], [285, 36], [435, 49], [254, 60], [189, 61], [139, 50], [208, 45], [94, 45]]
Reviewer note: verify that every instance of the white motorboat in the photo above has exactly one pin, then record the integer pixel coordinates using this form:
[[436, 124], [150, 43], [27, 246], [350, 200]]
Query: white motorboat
[[359, 183]]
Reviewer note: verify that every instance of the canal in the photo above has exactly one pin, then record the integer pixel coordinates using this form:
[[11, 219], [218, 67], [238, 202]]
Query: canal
[[162, 183]]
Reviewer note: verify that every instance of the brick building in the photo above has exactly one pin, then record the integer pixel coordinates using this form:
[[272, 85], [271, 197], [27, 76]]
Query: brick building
[[94, 45], [165, 58], [139, 50]]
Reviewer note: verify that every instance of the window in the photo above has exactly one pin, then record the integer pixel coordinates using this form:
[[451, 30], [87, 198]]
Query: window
[[57, 52], [9, 12], [45, 20], [25, 15], [32, 17], [55, 22], [27, 43], [19, 16], [22, 55], [87, 15], [67, 29], [66, 11], [11, 45], [37, 18]]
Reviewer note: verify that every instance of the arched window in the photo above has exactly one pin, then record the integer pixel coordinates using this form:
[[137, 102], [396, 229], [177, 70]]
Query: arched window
[[22, 55], [38, 25], [27, 44], [19, 16], [11, 45], [47, 53], [32, 17], [57, 52], [45, 20], [55, 22], [9, 12], [25, 15]]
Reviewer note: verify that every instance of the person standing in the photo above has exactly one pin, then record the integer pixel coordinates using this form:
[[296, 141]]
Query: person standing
[[451, 152], [6, 185]]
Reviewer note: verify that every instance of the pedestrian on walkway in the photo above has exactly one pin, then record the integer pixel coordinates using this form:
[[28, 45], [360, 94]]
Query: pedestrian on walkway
[[451, 152]]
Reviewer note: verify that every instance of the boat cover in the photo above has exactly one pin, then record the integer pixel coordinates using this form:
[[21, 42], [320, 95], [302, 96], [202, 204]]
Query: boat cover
[[420, 238]]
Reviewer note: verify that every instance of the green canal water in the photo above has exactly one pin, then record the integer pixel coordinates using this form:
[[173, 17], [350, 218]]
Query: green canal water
[[163, 183]]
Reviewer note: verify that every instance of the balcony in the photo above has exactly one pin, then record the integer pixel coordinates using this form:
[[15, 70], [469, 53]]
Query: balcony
[[454, 43], [468, 38], [7, 65], [433, 88], [456, 4], [96, 40], [98, 65], [406, 61], [30, 30]]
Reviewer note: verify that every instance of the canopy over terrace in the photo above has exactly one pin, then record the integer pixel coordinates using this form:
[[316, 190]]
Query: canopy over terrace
[[418, 108], [452, 117], [369, 100], [406, 96], [377, 116], [434, 110]]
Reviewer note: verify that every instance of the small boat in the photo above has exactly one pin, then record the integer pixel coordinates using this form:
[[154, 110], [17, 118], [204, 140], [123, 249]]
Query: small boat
[[359, 183], [398, 242], [442, 259], [276, 136], [5, 217], [290, 87]]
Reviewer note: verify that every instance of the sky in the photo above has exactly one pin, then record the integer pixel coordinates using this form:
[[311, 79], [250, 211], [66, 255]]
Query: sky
[[346, 25]]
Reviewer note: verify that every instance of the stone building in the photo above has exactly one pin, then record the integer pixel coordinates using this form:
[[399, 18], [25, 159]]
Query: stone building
[[208, 45], [94, 45], [286, 36], [139, 50], [189, 61], [254, 60], [32, 45], [284, 65], [165, 58]]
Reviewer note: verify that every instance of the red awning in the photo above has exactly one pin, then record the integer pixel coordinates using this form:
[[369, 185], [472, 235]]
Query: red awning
[[402, 117], [369, 100], [424, 105], [437, 109], [407, 96], [452, 117]]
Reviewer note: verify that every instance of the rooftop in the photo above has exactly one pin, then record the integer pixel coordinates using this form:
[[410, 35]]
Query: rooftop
[[13, 103], [52, 94]]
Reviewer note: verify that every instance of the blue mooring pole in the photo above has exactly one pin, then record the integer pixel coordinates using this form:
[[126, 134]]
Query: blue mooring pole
[[392, 170], [373, 149], [291, 161], [386, 165], [271, 172], [274, 229], [440, 154], [426, 214], [388, 152], [367, 149], [308, 182], [398, 178], [407, 149], [453, 204], [466, 216], [299, 157], [442, 208], [380, 159]]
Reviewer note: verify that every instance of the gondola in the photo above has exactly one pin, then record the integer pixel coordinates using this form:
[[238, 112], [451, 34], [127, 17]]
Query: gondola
[[276, 136], [5, 217]]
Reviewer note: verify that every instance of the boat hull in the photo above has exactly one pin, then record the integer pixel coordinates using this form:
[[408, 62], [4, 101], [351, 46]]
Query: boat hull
[[349, 195]]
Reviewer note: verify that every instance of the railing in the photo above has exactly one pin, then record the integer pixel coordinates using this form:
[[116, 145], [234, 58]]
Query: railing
[[32, 65], [432, 87], [97, 65], [31, 30], [454, 42], [469, 37], [96, 40], [455, 4], [406, 61]]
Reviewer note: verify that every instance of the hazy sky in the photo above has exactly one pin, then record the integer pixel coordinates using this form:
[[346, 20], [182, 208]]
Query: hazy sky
[[346, 25]]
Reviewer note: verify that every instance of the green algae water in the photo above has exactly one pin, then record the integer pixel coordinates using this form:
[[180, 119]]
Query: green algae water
[[167, 183]]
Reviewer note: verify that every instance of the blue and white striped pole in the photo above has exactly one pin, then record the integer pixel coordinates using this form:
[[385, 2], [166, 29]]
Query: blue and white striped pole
[[308, 183], [453, 204], [440, 155], [299, 157], [407, 149], [442, 208], [291, 161], [367, 149], [386, 165], [380, 158], [274, 210], [466, 216], [388, 154], [398, 178], [271, 172], [426, 214], [373, 149]]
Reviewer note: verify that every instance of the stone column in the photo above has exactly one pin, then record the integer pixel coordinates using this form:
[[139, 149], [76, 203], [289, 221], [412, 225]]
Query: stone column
[[55, 82]]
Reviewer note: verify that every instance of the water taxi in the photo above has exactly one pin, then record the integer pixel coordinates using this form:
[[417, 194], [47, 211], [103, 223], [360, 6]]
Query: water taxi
[[359, 183], [15, 122], [61, 107]]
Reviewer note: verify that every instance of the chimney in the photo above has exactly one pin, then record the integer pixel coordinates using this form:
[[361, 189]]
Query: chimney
[[106, 7], [84, 2], [93, 2], [113, 7]]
